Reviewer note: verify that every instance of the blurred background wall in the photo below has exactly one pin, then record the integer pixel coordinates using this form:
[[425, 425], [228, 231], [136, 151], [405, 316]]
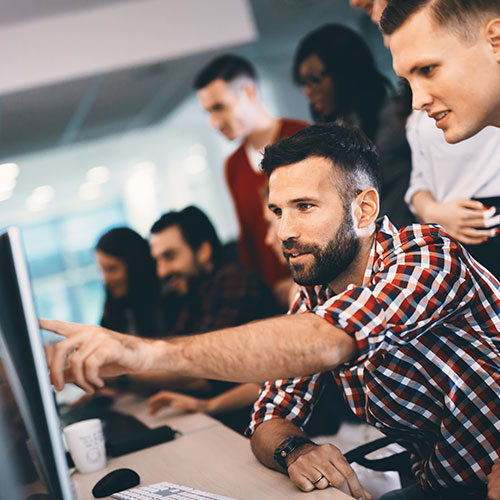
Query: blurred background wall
[[99, 125]]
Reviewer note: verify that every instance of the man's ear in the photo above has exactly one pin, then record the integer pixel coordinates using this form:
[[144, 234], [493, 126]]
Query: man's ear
[[366, 208], [250, 91], [492, 35], [204, 253]]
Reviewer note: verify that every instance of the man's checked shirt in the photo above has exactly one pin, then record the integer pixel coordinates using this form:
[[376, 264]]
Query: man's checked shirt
[[426, 322]]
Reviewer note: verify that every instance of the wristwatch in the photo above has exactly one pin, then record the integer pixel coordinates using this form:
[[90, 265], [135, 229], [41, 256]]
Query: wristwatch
[[289, 445]]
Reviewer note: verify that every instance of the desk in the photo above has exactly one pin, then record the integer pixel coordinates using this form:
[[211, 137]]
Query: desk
[[207, 456]]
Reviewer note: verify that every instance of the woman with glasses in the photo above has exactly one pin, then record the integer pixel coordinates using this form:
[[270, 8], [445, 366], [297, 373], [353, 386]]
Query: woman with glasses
[[337, 73]]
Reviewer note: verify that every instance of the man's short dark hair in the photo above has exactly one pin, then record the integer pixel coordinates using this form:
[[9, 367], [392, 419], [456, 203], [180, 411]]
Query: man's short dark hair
[[459, 15], [227, 67], [195, 228], [349, 149]]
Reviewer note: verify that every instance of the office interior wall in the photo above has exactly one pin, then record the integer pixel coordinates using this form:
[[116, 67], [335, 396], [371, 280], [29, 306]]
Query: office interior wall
[[176, 162]]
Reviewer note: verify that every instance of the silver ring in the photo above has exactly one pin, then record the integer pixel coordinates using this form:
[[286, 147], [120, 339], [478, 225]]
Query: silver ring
[[318, 480]]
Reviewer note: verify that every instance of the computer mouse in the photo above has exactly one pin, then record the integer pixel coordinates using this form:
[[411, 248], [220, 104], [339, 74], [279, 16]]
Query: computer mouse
[[114, 481]]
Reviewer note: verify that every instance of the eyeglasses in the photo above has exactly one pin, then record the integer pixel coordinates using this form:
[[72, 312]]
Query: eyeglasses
[[311, 80]]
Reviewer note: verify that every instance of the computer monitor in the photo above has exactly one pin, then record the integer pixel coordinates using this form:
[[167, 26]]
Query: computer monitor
[[26, 377]]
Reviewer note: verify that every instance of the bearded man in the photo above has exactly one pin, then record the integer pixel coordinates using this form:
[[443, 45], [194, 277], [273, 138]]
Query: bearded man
[[406, 321]]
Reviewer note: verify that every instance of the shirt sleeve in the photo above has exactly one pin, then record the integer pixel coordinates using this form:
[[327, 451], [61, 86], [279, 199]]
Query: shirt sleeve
[[415, 284], [420, 165], [292, 399]]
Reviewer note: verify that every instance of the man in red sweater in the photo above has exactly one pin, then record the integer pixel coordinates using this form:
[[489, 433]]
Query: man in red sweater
[[227, 91]]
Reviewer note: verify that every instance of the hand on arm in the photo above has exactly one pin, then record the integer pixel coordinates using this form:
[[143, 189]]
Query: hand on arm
[[233, 399], [460, 218], [309, 466]]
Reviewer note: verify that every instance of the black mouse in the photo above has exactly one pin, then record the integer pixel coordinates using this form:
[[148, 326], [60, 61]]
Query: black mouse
[[114, 481]]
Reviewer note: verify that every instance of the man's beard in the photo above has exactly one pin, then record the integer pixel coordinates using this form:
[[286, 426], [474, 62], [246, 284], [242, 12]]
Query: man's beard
[[330, 261], [191, 277]]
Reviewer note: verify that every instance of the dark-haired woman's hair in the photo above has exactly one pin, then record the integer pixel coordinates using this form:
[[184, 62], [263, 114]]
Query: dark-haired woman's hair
[[359, 87], [142, 283]]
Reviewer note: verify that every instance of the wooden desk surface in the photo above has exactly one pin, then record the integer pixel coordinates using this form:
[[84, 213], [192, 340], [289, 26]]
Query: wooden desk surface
[[208, 456], [214, 459]]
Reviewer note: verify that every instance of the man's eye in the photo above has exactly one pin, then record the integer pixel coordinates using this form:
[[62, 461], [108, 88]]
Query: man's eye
[[427, 70], [276, 212], [304, 206]]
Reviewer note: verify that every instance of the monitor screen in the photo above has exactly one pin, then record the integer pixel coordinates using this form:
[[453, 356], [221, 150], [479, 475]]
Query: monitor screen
[[28, 417]]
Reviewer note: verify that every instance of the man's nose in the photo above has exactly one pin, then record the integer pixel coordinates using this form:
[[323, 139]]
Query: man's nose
[[162, 269], [421, 98], [287, 228], [215, 121], [307, 91]]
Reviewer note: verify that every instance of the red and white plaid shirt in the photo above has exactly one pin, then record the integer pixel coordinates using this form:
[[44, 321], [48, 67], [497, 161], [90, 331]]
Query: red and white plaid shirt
[[427, 326]]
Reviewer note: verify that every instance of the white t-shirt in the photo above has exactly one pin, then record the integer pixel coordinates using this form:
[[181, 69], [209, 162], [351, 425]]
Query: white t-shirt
[[468, 169], [254, 157]]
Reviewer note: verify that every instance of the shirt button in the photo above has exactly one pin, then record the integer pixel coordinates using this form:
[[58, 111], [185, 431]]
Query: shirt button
[[378, 425]]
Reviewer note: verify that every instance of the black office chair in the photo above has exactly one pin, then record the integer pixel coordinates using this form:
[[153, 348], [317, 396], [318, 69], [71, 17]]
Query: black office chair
[[399, 462]]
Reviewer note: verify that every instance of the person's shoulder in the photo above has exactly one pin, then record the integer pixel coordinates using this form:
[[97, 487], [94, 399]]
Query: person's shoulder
[[410, 237], [290, 126], [234, 159], [240, 150], [232, 270]]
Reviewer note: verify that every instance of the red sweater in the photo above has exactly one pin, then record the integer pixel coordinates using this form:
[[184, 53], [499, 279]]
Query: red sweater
[[245, 187]]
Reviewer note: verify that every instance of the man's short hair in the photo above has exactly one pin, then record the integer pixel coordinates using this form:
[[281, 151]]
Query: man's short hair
[[462, 16], [349, 149], [195, 228], [228, 67]]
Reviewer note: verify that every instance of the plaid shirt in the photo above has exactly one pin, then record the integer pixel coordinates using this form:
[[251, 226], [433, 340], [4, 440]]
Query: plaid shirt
[[229, 296], [426, 322]]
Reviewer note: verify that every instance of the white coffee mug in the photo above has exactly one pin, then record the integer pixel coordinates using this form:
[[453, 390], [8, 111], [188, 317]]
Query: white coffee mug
[[86, 445]]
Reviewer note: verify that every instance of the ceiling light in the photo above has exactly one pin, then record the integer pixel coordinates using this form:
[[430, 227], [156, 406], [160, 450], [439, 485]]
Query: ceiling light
[[9, 170], [44, 194], [98, 175], [7, 185], [89, 191], [5, 195], [34, 205]]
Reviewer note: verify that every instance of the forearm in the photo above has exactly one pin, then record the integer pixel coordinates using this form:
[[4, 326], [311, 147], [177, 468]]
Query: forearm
[[258, 351], [268, 436], [422, 203], [233, 399]]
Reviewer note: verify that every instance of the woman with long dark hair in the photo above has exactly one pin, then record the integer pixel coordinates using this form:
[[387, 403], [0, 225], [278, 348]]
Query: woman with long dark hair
[[337, 73], [132, 288]]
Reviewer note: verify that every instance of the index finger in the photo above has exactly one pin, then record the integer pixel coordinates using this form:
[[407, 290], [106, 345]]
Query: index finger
[[63, 328], [345, 469]]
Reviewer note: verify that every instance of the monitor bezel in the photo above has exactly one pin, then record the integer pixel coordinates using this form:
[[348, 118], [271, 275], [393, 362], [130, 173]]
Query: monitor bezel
[[38, 359]]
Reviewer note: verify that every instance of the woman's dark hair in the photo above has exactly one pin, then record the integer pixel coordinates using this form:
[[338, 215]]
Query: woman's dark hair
[[359, 87], [142, 282]]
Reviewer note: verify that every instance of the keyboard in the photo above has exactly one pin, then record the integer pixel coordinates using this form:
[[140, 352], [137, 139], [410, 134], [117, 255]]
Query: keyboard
[[167, 490]]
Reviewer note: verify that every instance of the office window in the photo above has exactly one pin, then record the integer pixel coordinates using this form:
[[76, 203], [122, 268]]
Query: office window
[[66, 280]]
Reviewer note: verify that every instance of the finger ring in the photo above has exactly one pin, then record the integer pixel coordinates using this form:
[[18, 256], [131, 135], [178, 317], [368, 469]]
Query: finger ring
[[318, 480]]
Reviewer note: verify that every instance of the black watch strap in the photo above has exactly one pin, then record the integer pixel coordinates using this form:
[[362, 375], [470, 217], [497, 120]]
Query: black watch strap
[[289, 445]]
